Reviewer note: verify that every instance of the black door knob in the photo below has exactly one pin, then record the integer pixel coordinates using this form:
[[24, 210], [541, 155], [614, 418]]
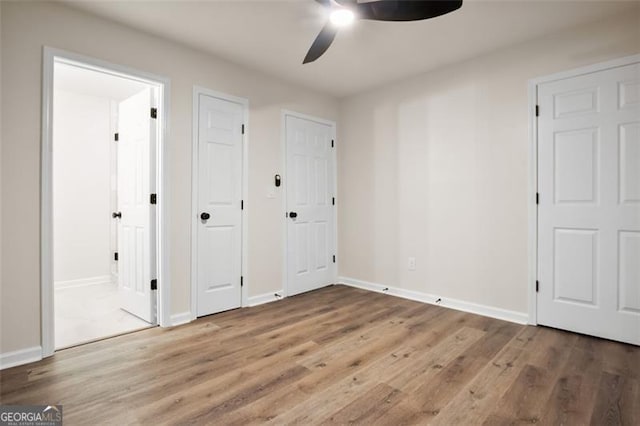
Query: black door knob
[[116, 215], [293, 215], [205, 216]]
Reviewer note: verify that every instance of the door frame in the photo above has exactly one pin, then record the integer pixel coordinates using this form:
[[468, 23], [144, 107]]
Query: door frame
[[244, 271], [163, 304], [533, 165], [283, 123]]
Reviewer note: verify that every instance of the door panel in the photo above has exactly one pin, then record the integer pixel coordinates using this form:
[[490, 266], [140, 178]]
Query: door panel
[[630, 163], [629, 273], [136, 248], [310, 235], [576, 166], [219, 195], [589, 211], [575, 265]]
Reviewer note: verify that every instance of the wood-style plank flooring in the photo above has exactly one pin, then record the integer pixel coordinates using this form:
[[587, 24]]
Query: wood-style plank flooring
[[339, 355]]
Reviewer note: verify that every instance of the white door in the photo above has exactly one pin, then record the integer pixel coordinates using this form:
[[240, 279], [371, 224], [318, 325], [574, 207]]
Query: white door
[[310, 204], [219, 232], [136, 231], [589, 208]]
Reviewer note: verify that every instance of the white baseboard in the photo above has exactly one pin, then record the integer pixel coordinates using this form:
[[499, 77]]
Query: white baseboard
[[182, 318], [260, 299], [23, 356], [460, 305], [101, 279], [265, 298]]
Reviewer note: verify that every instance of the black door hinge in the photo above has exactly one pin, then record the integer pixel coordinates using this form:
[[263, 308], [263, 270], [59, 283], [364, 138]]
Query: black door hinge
[[332, 143], [115, 137], [154, 284], [333, 201], [537, 286], [243, 129], [537, 110], [241, 204], [115, 256], [537, 198], [154, 112], [334, 258], [241, 281], [153, 199]]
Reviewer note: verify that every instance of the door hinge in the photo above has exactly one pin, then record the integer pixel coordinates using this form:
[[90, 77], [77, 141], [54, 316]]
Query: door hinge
[[241, 281], [332, 143], [241, 204], [115, 137], [154, 284], [537, 198], [153, 199], [243, 129], [537, 286], [154, 112], [334, 258], [333, 201], [537, 110], [115, 256]]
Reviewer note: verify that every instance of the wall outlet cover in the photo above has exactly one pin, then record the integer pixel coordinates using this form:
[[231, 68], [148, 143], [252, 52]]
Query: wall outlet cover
[[412, 263]]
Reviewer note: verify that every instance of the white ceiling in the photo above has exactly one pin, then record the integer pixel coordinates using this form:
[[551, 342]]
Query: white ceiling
[[273, 35], [94, 83]]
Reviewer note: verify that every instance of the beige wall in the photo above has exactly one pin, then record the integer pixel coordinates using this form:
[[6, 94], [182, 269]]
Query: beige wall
[[25, 28], [436, 167], [1, 191]]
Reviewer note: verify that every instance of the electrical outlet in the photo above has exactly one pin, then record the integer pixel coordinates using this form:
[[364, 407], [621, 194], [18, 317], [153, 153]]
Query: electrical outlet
[[412, 263]]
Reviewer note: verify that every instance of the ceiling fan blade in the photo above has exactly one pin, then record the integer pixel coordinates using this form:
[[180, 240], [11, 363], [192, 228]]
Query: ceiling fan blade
[[324, 2], [321, 43], [405, 10]]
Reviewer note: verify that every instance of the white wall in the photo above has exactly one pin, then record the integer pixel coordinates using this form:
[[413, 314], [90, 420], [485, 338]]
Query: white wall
[[436, 167], [81, 187], [25, 28]]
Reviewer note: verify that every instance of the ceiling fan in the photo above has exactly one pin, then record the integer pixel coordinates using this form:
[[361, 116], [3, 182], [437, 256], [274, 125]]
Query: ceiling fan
[[343, 12]]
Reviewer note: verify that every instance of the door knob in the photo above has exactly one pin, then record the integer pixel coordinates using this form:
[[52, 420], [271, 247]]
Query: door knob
[[293, 215], [205, 216], [116, 215]]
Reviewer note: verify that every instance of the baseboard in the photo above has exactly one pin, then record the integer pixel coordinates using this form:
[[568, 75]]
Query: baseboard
[[23, 356], [460, 305], [182, 318], [101, 279], [265, 298], [260, 299]]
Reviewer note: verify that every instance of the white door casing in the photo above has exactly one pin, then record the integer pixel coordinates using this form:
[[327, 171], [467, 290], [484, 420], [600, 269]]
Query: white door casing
[[309, 180], [161, 85], [136, 226], [219, 195], [589, 207]]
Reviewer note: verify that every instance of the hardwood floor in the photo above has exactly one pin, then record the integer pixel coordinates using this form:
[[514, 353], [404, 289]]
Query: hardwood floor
[[339, 355]]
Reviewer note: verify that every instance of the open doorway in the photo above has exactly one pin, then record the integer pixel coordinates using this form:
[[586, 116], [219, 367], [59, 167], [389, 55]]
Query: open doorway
[[104, 134]]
